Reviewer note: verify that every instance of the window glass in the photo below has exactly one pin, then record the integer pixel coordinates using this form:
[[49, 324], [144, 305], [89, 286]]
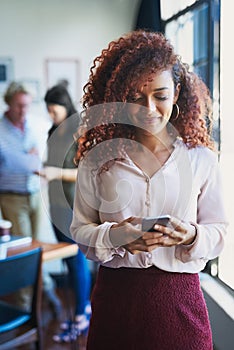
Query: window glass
[[189, 35], [201, 44], [180, 31], [196, 36], [170, 8], [226, 273]]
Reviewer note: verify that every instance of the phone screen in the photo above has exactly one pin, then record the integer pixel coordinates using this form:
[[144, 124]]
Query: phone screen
[[149, 222]]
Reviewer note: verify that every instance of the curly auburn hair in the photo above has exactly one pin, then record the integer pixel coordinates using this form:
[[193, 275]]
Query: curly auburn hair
[[125, 65]]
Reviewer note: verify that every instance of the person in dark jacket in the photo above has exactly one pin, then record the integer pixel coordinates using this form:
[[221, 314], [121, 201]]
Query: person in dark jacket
[[61, 172]]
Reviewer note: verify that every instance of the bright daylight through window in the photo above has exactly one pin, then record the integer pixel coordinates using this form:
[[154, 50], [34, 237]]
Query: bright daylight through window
[[196, 35]]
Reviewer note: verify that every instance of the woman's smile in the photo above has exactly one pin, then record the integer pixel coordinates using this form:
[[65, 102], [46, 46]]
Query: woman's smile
[[152, 105]]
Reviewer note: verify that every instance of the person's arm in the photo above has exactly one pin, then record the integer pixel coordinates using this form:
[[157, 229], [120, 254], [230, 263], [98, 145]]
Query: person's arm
[[86, 229], [56, 173], [65, 168], [211, 225], [21, 163]]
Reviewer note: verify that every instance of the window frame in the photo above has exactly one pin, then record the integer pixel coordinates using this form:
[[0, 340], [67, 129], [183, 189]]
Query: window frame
[[213, 71]]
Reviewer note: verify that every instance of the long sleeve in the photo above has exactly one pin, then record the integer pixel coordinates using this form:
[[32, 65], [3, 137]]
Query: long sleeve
[[188, 187], [211, 222], [19, 162], [19, 159], [86, 227]]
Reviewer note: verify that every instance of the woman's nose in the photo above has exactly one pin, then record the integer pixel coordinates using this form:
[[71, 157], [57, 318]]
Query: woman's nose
[[151, 105]]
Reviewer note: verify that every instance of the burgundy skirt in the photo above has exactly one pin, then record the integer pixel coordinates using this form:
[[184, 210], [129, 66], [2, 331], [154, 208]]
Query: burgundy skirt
[[148, 309]]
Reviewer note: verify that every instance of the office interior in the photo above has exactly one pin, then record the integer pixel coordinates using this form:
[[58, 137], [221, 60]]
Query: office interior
[[45, 41]]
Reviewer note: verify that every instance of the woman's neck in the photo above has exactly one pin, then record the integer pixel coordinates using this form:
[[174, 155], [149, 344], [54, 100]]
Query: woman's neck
[[151, 152], [161, 142]]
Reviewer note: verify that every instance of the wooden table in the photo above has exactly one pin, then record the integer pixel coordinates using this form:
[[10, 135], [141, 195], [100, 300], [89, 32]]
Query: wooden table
[[50, 251]]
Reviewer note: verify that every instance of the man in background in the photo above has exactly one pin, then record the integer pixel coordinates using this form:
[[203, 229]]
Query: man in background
[[19, 184]]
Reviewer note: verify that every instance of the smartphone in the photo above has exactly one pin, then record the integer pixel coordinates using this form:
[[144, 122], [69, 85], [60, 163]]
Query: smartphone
[[149, 222]]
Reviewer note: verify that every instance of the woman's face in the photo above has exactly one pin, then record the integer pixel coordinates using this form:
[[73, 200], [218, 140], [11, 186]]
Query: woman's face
[[152, 105], [57, 113]]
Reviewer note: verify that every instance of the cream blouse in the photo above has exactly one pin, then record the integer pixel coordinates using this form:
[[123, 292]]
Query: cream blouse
[[187, 186]]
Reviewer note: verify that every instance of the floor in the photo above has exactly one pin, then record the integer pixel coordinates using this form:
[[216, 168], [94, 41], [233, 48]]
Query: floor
[[50, 325]]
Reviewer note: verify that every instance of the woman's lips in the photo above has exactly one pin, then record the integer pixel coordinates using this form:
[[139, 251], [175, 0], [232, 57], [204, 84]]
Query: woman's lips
[[152, 120]]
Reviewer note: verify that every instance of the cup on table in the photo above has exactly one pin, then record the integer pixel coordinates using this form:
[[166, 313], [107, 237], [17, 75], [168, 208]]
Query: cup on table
[[5, 230]]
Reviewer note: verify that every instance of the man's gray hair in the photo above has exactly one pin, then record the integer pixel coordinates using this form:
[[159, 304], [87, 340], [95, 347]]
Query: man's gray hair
[[13, 89]]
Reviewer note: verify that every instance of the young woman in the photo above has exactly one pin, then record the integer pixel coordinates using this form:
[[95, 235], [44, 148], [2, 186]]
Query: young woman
[[61, 172], [145, 151]]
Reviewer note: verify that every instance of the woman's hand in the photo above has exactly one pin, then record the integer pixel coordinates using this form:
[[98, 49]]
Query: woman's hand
[[51, 173], [55, 173], [126, 235], [178, 233]]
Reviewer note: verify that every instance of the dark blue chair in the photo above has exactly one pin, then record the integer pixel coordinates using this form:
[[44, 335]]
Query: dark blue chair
[[17, 326]]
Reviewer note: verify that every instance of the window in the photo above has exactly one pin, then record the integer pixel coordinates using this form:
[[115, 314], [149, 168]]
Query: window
[[227, 145], [194, 29]]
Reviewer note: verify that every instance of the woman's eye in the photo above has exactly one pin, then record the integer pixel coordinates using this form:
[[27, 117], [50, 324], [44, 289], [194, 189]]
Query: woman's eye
[[140, 99], [161, 98]]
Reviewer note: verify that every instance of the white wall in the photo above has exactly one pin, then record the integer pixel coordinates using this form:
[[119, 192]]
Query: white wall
[[35, 30]]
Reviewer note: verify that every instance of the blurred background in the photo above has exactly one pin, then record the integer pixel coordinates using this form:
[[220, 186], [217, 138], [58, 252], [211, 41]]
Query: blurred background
[[44, 42]]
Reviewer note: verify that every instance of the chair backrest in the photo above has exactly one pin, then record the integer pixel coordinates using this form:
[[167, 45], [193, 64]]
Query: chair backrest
[[20, 271], [17, 272]]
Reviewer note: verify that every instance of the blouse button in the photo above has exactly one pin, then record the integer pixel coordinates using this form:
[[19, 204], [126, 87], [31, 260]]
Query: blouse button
[[149, 258], [147, 203]]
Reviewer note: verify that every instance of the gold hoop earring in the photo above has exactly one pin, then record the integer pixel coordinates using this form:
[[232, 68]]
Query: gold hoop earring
[[177, 111]]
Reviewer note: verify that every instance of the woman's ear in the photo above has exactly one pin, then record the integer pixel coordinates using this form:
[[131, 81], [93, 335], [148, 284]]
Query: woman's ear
[[177, 92]]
